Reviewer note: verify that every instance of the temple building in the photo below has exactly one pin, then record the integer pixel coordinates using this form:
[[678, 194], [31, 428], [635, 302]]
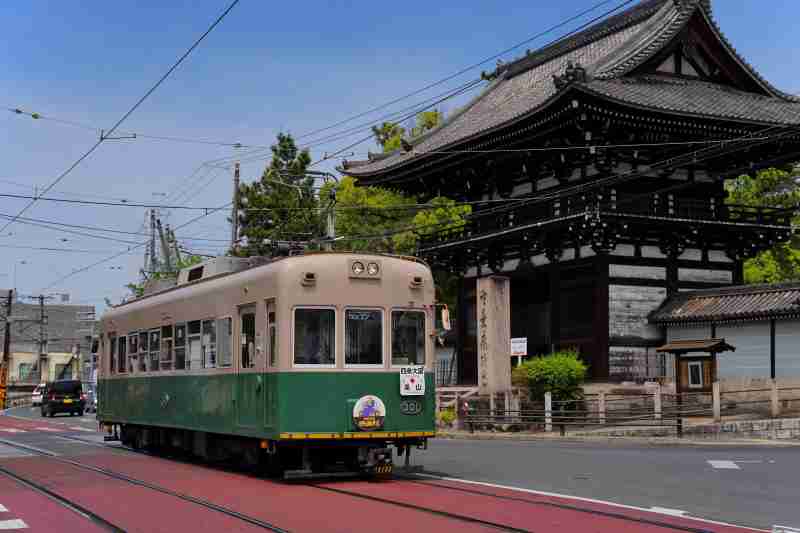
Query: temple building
[[596, 169]]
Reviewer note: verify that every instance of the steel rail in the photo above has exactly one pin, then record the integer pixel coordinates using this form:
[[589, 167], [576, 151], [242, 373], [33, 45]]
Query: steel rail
[[607, 514], [138, 482], [61, 500]]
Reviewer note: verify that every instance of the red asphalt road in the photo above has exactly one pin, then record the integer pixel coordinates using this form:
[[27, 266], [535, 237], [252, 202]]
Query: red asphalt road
[[58, 423], [39, 512], [299, 507]]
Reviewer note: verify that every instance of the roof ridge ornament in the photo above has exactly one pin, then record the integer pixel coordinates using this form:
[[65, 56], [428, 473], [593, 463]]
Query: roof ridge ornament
[[574, 73]]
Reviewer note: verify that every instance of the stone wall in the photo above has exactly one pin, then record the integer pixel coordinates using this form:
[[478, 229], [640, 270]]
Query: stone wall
[[777, 429]]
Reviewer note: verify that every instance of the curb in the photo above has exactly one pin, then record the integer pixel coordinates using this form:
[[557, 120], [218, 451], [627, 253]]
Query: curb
[[653, 441]]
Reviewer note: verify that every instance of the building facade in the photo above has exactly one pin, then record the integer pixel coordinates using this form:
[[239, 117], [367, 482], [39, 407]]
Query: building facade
[[596, 170]]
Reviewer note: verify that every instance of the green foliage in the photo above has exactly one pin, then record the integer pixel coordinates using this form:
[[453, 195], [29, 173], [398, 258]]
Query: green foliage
[[560, 373], [389, 134], [770, 188], [282, 204], [447, 416], [445, 214]]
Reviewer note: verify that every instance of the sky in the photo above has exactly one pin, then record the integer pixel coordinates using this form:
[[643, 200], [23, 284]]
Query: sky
[[268, 67]]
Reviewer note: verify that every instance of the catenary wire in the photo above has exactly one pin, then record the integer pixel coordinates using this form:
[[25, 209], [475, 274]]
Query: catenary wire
[[124, 117]]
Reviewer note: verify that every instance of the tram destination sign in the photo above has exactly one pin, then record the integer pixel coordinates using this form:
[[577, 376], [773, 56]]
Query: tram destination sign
[[412, 380]]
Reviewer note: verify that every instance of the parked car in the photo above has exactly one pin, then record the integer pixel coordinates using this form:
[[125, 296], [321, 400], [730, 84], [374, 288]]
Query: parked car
[[36, 397], [64, 396]]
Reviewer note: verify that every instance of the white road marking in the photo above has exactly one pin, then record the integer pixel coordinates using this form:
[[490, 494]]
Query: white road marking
[[668, 511], [10, 430], [46, 429], [576, 498], [13, 524], [724, 465], [785, 529]]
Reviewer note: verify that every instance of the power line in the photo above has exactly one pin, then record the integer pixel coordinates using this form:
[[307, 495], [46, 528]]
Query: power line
[[125, 116]]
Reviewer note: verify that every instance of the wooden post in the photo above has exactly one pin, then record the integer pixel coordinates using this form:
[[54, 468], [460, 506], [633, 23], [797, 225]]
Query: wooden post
[[548, 411], [459, 417], [601, 407], [774, 399], [678, 397], [716, 399], [657, 402]]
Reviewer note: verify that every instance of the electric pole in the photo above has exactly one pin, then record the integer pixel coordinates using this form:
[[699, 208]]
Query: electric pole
[[235, 210], [330, 222], [6, 349], [153, 258]]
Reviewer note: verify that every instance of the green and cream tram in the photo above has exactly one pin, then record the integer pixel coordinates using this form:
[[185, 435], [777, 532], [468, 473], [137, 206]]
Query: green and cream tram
[[310, 363]]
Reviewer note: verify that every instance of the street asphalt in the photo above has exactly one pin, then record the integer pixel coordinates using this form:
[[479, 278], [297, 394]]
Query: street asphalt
[[756, 486]]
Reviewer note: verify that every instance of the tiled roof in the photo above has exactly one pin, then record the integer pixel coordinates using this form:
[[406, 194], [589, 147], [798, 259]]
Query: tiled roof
[[607, 51], [748, 302], [704, 345]]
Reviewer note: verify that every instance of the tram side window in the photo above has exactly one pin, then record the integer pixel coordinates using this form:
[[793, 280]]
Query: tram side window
[[180, 346], [121, 351], [143, 352], [314, 337], [225, 331], [166, 347], [408, 338], [133, 351], [209, 344], [363, 330], [112, 356], [195, 345], [155, 343]]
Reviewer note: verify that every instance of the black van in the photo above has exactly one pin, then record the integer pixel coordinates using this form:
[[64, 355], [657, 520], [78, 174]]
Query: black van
[[63, 397]]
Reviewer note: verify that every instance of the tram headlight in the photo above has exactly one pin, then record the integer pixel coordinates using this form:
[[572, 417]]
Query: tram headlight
[[373, 269], [358, 268]]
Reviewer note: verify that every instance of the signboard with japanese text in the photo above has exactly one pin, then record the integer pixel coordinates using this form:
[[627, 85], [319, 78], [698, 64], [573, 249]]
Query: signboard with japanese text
[[519, 347], [412, 380]]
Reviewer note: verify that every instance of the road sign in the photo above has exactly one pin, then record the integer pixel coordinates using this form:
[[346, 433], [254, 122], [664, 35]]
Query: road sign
[[519, 346]]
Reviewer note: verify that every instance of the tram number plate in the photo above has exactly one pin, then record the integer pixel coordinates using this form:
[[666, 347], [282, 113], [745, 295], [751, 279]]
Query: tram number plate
[[383, 469], [410, 407]]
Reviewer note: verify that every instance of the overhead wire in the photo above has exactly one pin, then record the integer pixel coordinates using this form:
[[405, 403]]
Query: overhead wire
[[125, 116]]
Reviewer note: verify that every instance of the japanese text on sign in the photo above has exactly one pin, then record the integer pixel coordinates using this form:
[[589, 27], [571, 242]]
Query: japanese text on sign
[[412, 380], [519, 346]]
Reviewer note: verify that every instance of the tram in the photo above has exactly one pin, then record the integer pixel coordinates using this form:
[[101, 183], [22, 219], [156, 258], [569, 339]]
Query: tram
[[311, 364]]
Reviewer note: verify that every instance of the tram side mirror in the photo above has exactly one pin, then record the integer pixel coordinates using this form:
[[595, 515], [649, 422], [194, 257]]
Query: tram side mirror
[[445, 318]]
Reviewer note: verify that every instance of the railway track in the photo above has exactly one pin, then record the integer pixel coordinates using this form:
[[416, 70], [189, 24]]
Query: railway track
[[122, 477]]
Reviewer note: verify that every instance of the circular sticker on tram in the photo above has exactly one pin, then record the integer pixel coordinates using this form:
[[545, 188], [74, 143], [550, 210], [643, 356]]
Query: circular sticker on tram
[[369, 413]]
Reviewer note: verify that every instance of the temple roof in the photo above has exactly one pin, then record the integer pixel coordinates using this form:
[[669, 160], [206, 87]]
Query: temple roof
[[603, 60]]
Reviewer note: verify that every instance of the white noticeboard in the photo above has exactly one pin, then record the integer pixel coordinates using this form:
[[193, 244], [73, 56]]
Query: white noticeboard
[[519, 347], [412, 380]]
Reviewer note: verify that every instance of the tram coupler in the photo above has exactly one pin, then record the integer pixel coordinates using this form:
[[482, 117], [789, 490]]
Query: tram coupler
[[379, 461]]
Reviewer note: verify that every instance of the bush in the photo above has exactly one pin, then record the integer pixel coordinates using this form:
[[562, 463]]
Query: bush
[[560, 373], [447, 417]]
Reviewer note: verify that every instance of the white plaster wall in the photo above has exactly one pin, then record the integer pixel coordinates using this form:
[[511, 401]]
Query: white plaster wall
[[690, 333], [787, 349], [751, 358]]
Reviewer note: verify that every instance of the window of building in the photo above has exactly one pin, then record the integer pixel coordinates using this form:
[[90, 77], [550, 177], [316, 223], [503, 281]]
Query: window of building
[[112, 353], [180, 346], [363, 337], [209, 344], [155, 344], [122, 362], [696, 374], [143, 351], [247, 336], [166, 347], [272, 334], [26, 372], [133, 351], [314, 337], [225, 332], [408, 338]]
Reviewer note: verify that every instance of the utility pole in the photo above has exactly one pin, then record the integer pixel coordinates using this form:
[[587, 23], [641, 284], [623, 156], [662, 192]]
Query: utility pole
[[153, 259], [164, 246], [42, 341], [331, 222], [235, 209], [6, 349]]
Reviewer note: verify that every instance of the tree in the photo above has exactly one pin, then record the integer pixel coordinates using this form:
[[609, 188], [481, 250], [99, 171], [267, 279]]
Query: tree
[[770, 188], [282, 204], [389, 135]]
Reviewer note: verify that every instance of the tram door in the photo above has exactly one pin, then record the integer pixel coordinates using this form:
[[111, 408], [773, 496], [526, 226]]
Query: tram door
[[249, 386]]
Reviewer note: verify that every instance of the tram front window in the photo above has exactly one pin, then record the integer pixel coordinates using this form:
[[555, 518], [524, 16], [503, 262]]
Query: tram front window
[[314, 336], [408, 338], [363, 337]]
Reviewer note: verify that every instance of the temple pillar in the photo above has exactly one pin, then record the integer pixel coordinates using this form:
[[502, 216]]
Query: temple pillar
[[494, 334]]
